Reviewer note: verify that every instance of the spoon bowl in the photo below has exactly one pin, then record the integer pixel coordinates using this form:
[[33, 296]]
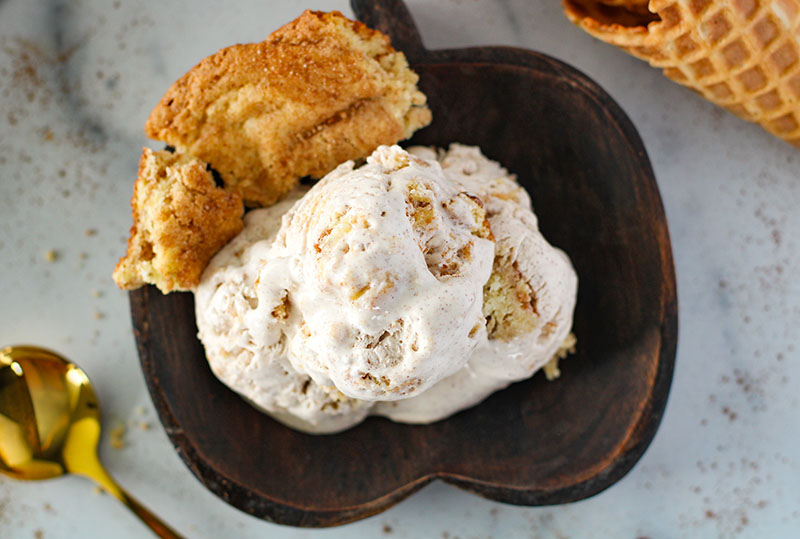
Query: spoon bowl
[[50, 424]]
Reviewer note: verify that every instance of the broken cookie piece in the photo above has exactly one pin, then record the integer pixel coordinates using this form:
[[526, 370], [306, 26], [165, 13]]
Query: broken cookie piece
[[180, 220], [317, 92]]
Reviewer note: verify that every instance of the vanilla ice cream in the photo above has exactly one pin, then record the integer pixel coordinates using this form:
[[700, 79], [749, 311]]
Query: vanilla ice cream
[[411, 287]]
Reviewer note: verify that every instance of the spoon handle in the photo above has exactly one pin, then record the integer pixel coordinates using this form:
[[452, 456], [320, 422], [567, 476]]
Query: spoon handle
[[91, 468], [156, 524]]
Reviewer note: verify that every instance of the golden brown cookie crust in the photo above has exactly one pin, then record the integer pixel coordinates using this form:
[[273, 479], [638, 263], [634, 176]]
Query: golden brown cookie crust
[[180, 220], [319, 91]]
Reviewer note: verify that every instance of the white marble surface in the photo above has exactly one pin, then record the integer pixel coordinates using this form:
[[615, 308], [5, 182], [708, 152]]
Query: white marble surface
[[78, 79]]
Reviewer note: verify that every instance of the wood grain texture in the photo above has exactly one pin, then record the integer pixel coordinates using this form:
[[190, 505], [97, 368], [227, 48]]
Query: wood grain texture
[[534, 443]]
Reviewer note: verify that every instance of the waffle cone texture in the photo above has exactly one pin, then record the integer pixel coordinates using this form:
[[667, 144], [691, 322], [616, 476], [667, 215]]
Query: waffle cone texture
[[743, 55]]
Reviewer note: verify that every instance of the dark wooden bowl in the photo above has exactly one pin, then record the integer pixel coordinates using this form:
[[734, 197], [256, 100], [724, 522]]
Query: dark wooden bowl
[[535, 443]]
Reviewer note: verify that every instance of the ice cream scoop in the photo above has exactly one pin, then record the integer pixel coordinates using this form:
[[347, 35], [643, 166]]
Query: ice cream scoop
[[381, 268], [227, 318], [385, 290], [528, 300]]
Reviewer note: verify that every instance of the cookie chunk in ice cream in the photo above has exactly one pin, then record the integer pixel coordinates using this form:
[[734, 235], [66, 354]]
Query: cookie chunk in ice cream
[[411, 287]]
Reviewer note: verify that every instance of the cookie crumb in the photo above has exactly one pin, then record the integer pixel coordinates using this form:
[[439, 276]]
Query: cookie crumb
[[118, 436], [50, 256], [96, 293], [99, 315], [81, 258], [90, 232], [551, 370], [144, 425]]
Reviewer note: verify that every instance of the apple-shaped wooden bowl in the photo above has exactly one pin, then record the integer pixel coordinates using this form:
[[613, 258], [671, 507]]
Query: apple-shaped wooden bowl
[[535, 443]]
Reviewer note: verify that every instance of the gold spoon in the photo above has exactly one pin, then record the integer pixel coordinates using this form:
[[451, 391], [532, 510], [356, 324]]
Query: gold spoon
[[50, 424]]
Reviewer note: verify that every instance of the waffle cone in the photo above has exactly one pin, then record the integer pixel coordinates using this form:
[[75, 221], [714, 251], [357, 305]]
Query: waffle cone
[[635, 6], [743, 55]]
